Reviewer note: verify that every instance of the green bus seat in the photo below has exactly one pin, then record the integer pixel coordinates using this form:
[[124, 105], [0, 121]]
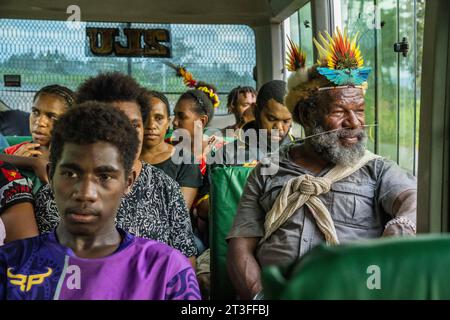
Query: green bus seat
[[387, 269], [12, 140], [227, 184]]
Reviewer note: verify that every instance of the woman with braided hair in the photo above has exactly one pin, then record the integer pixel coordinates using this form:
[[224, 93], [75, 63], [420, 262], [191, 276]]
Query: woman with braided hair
[[49, 103], [193, 111]]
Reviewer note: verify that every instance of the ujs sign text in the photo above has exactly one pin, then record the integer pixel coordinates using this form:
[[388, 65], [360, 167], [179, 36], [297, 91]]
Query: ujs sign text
[[139, 42]]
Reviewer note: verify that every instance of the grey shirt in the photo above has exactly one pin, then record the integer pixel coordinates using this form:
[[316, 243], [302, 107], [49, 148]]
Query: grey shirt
[[360, 206]]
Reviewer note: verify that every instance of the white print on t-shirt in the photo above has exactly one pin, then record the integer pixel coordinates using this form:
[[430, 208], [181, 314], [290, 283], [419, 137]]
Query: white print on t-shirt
[[74, 280]]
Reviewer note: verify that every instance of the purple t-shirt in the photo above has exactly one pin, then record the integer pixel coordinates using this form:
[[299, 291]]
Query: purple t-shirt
[[140, 269]]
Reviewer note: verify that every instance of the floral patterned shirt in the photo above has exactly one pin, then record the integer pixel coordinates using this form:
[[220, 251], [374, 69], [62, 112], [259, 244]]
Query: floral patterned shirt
[[14, 189]]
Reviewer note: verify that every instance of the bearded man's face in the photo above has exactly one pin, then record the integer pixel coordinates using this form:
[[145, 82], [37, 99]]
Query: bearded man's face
[[340, 109]]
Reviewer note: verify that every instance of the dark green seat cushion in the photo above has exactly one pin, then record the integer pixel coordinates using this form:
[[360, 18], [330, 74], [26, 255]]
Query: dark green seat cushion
[[13, 140], [388, 268], [227, 184]]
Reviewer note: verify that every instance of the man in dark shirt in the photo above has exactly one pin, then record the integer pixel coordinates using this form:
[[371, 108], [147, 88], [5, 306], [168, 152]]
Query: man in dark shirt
[[265, 134]]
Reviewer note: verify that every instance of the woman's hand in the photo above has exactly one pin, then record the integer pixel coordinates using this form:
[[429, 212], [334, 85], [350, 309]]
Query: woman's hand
[[28, 150]]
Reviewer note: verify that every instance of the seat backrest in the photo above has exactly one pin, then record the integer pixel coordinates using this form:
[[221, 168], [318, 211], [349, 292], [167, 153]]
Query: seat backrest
[[12, 140], [227, 184], [388, 268]]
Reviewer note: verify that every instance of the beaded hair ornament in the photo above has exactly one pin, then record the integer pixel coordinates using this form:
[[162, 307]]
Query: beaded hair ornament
[[190, 82], [340, 65]]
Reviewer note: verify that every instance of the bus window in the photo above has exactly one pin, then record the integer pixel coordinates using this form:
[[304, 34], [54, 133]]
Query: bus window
[[299, 28], [44, 52], [393, 96]]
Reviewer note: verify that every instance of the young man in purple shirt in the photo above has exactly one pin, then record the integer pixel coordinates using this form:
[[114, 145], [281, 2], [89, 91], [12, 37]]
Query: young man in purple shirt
[[86, 256]]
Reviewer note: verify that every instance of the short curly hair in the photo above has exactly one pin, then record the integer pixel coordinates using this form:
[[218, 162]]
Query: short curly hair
[[93, 122], [112, 87], [204, 104], [275, 89]]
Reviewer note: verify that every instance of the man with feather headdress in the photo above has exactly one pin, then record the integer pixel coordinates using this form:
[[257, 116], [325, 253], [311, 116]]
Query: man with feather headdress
[[328, 187]]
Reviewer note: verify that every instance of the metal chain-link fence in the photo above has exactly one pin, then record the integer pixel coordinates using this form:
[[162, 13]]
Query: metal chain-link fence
[[50, 52]]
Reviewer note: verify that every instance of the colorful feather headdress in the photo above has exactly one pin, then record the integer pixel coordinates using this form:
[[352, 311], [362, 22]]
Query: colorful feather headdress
[[340, 59], [340, 64], [296, 60], [190, 82]]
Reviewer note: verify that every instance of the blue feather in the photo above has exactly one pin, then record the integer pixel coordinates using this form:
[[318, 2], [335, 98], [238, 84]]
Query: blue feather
[[345, 76], [363, 74]]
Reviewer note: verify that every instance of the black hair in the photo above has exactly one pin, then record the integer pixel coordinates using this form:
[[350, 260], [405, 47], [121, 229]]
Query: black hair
[[203, 102], [305, 106], [233, 96], [93, 122], [275, 89], [63, 92], [309, 102], [112, 87], [161, 96]]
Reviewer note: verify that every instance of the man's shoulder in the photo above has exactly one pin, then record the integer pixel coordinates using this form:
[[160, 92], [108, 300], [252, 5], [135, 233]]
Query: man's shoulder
[[21, 248], [154, 246], [388, 169], [272, 162], [159, 250], [157, 177], [153, 174], [171, 265], [383, 161], [380, 164], [45, 192]]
